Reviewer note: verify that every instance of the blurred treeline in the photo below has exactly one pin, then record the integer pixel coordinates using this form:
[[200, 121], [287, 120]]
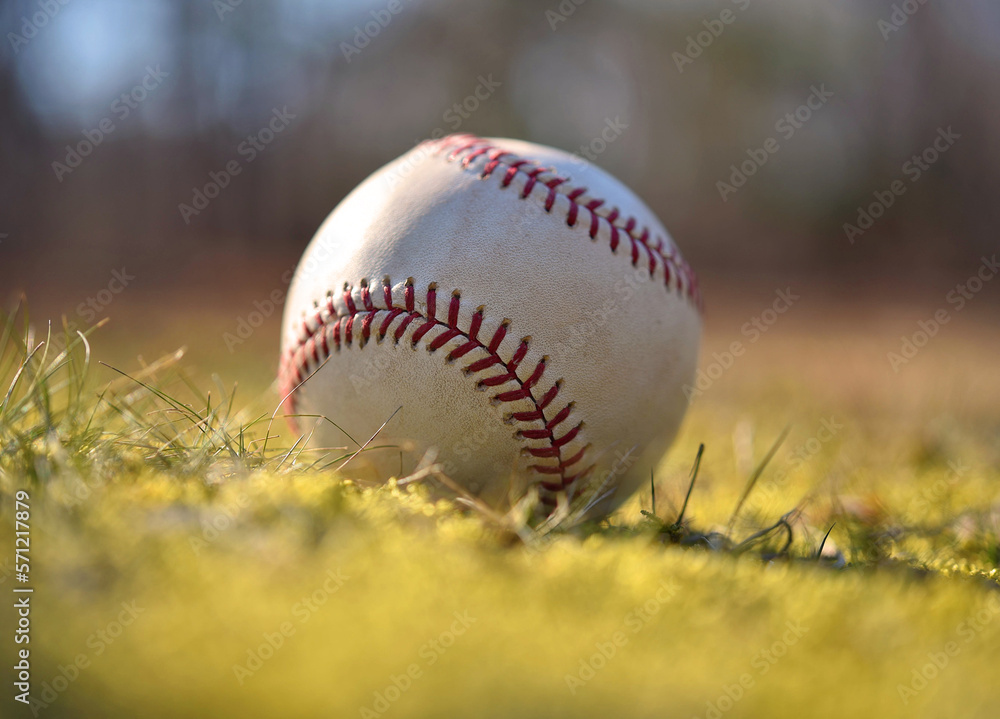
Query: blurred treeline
[[555, 72]]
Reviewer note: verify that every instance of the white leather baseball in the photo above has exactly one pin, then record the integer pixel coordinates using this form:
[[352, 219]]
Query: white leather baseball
[[527, 312]]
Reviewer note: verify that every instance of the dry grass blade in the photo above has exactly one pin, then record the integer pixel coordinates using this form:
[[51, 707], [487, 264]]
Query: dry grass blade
[[371, 439], [289, 394], [781, 523], [14, 381], [819, 552], [694, 476], [428, 467], [752, 481]]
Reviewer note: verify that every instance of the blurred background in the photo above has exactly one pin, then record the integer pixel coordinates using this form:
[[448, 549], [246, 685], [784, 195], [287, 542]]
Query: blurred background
[[163, 163], [195, 146]]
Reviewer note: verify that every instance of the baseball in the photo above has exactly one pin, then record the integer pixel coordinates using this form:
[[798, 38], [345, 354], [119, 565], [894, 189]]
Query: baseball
[[507, 306]]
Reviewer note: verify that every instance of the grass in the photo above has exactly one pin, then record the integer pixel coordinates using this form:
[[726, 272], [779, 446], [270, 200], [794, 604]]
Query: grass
[[835, 553]]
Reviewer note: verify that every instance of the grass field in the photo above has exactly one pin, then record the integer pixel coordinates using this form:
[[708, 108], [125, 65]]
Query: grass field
[[183, 568]]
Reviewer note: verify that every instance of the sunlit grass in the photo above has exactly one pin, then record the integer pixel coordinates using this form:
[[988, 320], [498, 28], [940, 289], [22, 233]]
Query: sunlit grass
[[189, 558]]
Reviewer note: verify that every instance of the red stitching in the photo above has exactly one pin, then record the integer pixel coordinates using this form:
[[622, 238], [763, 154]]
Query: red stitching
[[494, 161], [320, 336], [470, 147], [317, 336], [477, 322]]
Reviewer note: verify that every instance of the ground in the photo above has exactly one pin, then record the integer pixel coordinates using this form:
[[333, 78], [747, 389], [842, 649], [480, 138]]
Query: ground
[[181, 568]]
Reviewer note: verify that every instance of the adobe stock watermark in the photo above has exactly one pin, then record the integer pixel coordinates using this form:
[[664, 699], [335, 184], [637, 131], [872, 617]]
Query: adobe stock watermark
[[123, 106], [633, 623], [461, 111], [932, 496], [93, 306], [612, 130], [429, 653], [302, 611], [90, 310], [582, 334], [753, 330], [247, 324], [701, 41], [623, 462], [6, 569], [927, 329], [97, 642], [598, 488], [364, 34], [900, 15], [939, 660], [763, 661], [224, 7], [562, 12], [33, 24], [272, 303], [786, 127], [454, 117], [83, 486], [222, 520], [249, 149], [913, 169], [769, 490]]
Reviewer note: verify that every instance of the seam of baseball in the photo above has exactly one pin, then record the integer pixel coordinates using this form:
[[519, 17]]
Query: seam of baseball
[[470, 147], [327, 330]]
